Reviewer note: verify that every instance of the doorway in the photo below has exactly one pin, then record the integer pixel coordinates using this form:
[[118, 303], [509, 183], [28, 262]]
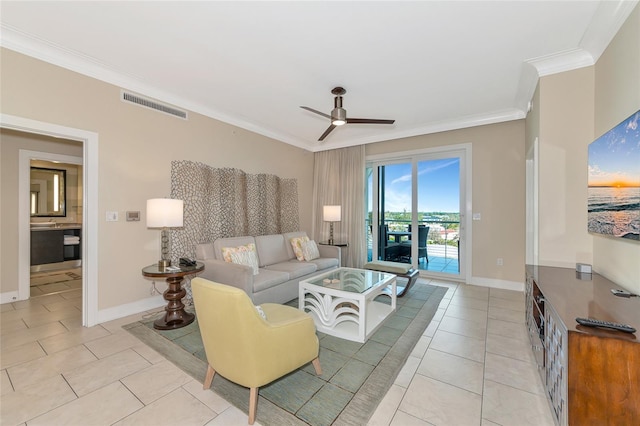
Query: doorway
[[89, 142], [56, 223]]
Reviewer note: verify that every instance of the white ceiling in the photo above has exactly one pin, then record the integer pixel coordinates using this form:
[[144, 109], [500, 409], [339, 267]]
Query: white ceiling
[[430, 65]]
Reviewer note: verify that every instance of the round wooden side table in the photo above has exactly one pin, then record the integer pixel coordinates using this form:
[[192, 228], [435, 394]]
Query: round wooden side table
[[175, 316]]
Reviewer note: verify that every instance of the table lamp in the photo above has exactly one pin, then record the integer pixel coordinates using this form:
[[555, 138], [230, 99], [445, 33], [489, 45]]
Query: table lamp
[[164, 213], [331, 214]]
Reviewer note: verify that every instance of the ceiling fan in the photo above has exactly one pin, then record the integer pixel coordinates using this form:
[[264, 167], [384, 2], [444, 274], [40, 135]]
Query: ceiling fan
[[338, 115]]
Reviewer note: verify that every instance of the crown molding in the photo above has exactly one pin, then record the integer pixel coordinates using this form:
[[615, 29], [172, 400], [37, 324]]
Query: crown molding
[[605, 24], [566, 60], [527, 86], [72, 60], [51, 53]]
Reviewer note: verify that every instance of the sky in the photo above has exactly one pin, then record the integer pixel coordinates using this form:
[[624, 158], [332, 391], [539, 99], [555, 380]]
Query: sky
[[438, 186], [614, 158]]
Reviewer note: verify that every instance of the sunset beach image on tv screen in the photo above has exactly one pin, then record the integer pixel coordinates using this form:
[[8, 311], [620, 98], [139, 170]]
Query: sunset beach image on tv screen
[[614, 181]]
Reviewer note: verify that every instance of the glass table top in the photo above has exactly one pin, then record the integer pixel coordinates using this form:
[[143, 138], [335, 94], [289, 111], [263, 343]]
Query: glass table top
[[157, 270], [351, 279]]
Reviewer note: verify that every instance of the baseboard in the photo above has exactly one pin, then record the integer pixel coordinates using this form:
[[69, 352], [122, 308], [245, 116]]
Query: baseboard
[[495, 283], [121, 311], [110, 314], [8, 297]]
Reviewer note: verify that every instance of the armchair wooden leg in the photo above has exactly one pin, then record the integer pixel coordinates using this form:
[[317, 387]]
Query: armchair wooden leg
[[253, 402], [209, 377], [316, 365]]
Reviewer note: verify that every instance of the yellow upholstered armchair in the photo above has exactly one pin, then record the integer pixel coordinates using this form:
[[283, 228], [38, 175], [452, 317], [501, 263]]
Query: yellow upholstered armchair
[[246, 348]]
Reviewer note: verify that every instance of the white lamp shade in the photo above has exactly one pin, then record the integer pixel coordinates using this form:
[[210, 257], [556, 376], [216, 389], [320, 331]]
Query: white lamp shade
[[331, 213], [164, 213]]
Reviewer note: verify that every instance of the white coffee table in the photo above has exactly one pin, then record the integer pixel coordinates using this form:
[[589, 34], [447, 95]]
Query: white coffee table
[[342, 303]]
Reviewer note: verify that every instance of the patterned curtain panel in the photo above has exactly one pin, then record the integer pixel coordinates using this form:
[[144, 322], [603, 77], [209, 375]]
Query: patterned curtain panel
[[229, 203]]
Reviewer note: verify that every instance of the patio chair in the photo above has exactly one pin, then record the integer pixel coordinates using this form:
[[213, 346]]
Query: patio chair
[[390, 250], [247, 348], [423, 233]]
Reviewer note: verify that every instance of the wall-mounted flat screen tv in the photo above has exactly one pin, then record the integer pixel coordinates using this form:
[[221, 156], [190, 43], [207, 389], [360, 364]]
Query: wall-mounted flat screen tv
[[614, 181]]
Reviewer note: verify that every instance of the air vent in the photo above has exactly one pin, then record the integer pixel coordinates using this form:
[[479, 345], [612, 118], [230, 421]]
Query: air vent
[[150, 103]]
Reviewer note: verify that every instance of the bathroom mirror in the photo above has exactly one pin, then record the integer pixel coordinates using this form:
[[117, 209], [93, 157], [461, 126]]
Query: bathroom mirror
[[48, 192]]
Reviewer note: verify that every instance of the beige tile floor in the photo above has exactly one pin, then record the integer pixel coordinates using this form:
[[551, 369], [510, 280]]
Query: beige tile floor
[[57, 281], [473, 366]]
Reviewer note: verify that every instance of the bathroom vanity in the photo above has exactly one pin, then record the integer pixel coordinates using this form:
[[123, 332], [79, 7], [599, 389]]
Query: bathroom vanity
[[59, 245]]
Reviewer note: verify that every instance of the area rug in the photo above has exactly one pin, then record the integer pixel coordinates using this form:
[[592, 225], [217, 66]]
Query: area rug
[[355, 376]]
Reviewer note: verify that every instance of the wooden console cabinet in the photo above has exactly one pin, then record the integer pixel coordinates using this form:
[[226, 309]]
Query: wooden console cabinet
[[591, 375]]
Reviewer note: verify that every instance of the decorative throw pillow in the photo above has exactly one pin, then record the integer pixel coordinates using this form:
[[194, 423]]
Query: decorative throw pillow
[[310, 250], [226, 251], [261, 312], [296, 243], [248, 258]]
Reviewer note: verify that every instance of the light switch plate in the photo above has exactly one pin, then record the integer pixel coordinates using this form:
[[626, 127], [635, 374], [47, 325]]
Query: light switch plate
[[112, 216], [477, 216]]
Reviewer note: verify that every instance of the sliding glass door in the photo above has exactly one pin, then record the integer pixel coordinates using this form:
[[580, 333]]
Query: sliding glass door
[[414, 214], [439, 215], [389, 217]]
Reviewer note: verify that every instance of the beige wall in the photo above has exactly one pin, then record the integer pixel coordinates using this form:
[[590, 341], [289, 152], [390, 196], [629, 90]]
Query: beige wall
[[498, 175], [136, 147], [570, 110], [566, 117], [617, 96]]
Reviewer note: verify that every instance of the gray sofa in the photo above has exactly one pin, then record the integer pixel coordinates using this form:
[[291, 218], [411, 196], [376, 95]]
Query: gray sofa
[[279, 270]]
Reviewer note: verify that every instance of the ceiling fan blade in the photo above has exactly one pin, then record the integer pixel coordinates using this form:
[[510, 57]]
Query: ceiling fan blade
[[326, 132], [316, 112], [368, 121]]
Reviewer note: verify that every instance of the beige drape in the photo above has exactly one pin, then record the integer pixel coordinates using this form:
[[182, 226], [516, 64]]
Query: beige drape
[[339, 180]]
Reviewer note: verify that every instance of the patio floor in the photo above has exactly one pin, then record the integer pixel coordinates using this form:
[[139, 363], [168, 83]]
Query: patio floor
[[442, 258]]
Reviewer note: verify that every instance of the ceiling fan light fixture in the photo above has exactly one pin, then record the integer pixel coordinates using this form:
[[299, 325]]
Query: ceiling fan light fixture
[[338, 116]]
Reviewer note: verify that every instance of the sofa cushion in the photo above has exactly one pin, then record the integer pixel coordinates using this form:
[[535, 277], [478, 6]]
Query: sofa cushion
[[297, 244], [288, 236], [294, 268], [246, 257], [230, 242], [310, 250], [227, 252], [326, 263], [267, 279], [272, 249]]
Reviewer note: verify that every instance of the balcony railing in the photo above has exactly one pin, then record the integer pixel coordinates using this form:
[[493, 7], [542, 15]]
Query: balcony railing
[[442, 241]]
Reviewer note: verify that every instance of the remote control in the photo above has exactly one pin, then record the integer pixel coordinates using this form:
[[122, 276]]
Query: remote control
[[591, 322]]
